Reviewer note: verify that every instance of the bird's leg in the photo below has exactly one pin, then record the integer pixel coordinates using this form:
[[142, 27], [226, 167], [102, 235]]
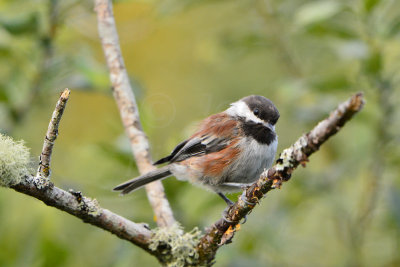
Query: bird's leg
[[227, 200], [225, 212], [230, 203]]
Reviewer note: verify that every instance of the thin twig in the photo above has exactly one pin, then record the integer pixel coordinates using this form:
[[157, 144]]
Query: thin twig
[[222, 231], [126, 102], [51, 135]]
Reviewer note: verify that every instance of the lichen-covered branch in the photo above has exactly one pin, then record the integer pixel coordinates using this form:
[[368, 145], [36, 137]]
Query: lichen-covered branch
[[51, 135], [14, 173], [223, 230], [87, 210], [125, 99]]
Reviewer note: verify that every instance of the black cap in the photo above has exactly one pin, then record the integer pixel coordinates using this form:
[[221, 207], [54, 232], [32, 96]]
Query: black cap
[[263, 108]]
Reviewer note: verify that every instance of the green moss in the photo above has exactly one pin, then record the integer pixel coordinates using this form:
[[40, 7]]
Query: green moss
[[183, 245], [14, 161]]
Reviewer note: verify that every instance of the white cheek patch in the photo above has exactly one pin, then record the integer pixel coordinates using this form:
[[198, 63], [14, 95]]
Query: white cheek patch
[[242, 110]]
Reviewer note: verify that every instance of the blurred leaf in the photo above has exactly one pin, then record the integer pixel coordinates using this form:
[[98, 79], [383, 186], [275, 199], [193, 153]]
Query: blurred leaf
[[333, 30], [5, 39], [24, 24], [352, 49], [369, 5], [394, 29], [125, 158], [170, 7], [3, 93], [248, 42], [90, 74], [54, 252], [373, 64], [332, 83], [316, 12], [394, 204]]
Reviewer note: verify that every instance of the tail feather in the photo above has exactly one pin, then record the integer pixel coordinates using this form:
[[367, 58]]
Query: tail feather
[[163, 160], [140, 181]]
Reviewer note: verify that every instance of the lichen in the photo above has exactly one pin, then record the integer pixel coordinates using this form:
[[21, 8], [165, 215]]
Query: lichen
[[285, 159], [15, 161], [182, 245], [86, 204], [40, 182], [91, 206]]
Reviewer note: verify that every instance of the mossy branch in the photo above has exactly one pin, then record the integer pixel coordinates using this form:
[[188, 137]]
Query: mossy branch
[[15, 172], [14, 161]]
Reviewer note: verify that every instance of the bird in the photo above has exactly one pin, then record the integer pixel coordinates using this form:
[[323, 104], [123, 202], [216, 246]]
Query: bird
[[227, 153]]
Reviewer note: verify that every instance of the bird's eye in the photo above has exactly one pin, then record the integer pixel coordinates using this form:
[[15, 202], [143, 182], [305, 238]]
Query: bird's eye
[[256, 111]]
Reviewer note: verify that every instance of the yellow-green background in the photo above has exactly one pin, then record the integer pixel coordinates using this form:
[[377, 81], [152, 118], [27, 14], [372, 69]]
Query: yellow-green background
[[188, 59]]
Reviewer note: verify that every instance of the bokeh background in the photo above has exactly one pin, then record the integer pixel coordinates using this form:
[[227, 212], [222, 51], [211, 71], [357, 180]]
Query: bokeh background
[[187, 60]]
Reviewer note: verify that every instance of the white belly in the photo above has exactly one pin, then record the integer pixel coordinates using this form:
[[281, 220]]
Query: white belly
[[253, 160]]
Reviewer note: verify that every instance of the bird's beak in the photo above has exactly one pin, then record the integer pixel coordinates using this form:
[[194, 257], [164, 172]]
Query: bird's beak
[[270, 126]]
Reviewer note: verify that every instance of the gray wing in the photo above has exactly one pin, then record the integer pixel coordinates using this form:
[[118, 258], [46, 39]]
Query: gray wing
[[193, 147]]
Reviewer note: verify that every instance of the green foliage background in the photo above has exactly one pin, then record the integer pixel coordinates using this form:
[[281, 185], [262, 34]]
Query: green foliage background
[[188, 59]]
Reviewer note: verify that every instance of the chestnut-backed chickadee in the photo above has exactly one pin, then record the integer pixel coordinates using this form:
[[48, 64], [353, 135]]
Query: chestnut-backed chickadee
[[228, 152]]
